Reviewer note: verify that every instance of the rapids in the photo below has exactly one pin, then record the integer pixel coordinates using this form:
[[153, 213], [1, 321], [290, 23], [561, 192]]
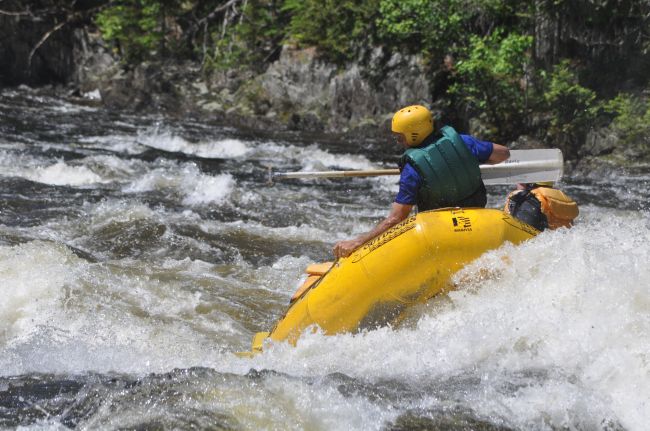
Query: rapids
[[138, 252]]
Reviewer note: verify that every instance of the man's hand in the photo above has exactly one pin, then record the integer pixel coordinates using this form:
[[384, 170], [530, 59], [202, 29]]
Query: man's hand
[[397, 213], [499, 154], [345, 248]]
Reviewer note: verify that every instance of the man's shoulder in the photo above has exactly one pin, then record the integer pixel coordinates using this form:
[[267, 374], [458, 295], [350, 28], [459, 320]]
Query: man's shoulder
[[409, 170]]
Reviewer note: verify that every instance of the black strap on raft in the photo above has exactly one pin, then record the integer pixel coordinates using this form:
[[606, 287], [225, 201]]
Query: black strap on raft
[[527, 208]]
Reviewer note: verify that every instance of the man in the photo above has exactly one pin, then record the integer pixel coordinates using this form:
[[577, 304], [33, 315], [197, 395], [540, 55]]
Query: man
[[438, 170], [541, 206]]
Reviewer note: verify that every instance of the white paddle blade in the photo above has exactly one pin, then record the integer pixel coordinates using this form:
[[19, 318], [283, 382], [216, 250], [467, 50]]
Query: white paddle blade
[[526, 166]]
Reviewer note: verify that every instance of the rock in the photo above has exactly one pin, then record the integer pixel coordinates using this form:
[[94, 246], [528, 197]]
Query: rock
[[95, 64], [323, 97], [201, 87], [117, 92], [212, 107], [526, 142], [297, 82], [637, 149], [599, 142], [165, 87], [597, 168], [478, 127], [307, 121], [253, 97]]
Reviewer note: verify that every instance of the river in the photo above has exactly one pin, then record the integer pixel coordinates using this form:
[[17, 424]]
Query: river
[[137, 253]]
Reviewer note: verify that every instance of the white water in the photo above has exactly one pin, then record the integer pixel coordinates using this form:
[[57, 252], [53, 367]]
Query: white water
[[576, 303], [224, 148], [194, 187], [573, 304], [188, 261], [57, 173]]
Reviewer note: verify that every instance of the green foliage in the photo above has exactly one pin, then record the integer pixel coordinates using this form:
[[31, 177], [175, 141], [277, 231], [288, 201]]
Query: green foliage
[[631, 118], [254, 39], [423, 25], [491, 77], [262, 26], [227, 53], [337, 28], [136, 27], [491, 42], [444, 26], [573, 106]]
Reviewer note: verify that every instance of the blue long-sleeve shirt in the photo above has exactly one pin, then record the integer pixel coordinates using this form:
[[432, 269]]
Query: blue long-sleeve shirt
[[410, 181]]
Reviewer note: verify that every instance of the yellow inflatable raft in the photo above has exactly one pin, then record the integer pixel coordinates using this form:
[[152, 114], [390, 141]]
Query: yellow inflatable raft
[[408, 264]]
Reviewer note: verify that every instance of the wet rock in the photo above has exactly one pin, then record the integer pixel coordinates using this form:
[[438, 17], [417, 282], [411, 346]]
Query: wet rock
[[95, 64], [527, 142], [442, 421], [307, 93], [478, 126], [117, 93], [297, 82], [150, 87], [599, 142], [608, 168], [307, 121], [212, 107]]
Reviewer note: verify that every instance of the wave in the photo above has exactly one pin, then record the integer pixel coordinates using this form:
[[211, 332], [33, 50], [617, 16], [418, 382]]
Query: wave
[[571, 303], [168, 141], [187, 181], [58, 174]]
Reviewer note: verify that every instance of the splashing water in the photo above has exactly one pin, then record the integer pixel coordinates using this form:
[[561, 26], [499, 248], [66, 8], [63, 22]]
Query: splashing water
[[132, 273]]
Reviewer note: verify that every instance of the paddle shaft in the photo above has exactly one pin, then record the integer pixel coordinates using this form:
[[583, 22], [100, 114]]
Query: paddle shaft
[[335, 174]]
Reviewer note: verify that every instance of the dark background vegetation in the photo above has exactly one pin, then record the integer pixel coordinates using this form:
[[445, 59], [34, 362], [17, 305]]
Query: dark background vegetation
[[550, 68]]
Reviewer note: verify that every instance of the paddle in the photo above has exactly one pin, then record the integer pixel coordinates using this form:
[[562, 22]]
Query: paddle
[[523, 166]]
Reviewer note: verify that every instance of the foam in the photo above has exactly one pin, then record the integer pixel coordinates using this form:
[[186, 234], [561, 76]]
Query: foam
[[62, 174], [194, 187], [92, 95], [207, 189], [288, 233], [575, 303], [111, 211], [64, 315], [32, 275], [312, 157], [167, 141], [59, 173]]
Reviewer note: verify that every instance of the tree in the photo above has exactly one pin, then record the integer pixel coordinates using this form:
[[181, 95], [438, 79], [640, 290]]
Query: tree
[[493, 77]]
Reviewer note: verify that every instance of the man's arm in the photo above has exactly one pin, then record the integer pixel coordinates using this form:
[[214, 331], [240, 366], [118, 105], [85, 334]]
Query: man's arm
[[486, 152], [499, 154], [397, 213]]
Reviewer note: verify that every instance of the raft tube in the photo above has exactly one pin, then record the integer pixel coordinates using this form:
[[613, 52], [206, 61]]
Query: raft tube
[[408, 264]]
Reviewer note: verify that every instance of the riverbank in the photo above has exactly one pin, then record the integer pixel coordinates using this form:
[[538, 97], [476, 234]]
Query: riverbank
[[183, 91], [299, 89]]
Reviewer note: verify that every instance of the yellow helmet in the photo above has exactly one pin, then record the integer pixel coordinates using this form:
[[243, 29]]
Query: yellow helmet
[[415, 122], [544, 183]]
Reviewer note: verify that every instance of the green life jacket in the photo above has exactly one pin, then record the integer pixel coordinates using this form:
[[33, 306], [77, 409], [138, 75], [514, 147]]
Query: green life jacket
[[450, 172]]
